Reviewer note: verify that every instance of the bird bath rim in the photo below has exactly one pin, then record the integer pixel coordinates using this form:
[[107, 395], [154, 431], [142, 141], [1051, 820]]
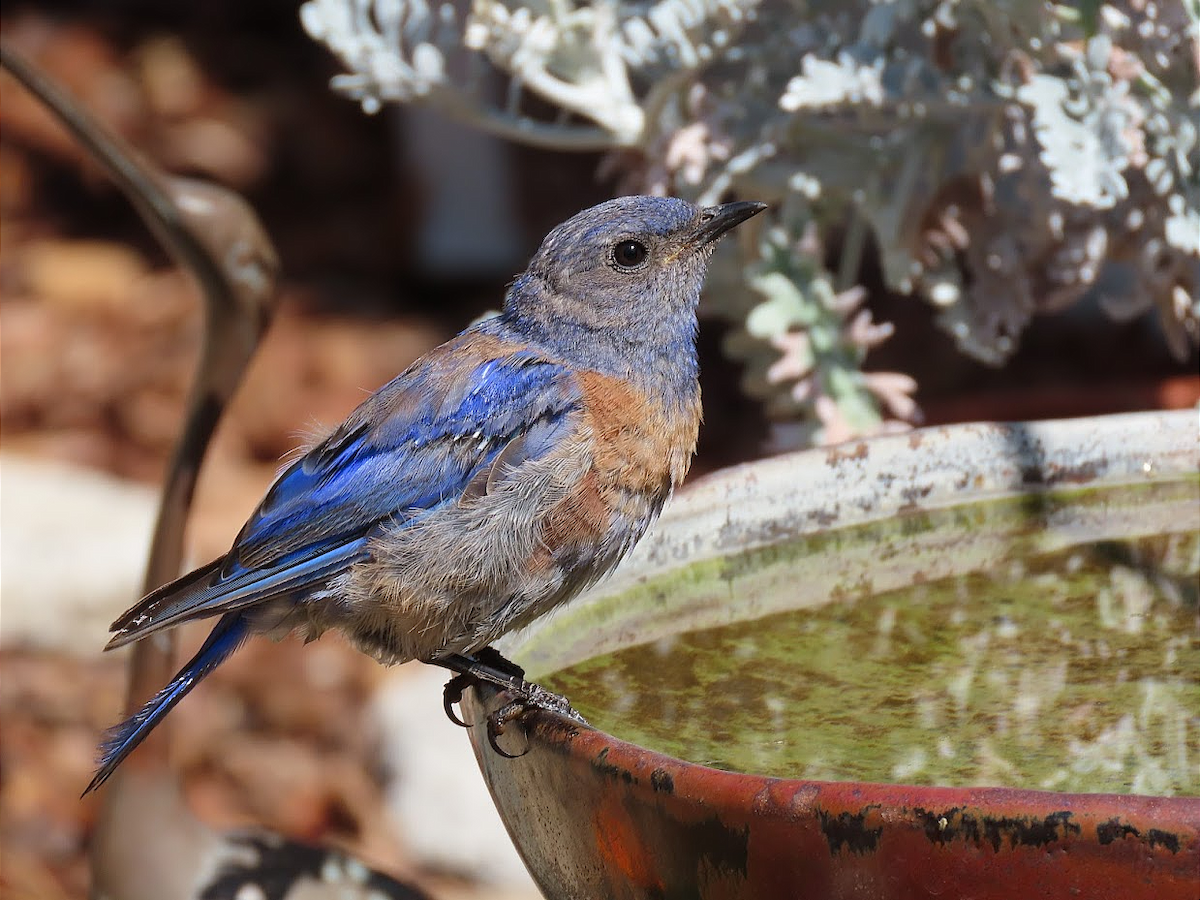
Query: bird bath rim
[[795, 495]]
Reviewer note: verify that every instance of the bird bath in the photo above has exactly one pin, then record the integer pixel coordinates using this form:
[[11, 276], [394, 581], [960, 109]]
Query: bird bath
[[964, 661], [1073, 668]]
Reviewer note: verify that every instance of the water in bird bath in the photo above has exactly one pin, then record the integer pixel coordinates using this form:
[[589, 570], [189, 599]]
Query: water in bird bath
[[1045, 641]]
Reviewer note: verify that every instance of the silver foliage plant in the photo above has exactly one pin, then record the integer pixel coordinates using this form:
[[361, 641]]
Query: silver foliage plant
[[1005, 157]]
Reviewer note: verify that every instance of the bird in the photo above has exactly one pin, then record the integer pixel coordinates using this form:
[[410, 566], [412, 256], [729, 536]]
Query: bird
[[491, 481]]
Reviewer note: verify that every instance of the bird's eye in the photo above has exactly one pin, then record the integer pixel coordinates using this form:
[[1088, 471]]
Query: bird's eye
[[629, 254]]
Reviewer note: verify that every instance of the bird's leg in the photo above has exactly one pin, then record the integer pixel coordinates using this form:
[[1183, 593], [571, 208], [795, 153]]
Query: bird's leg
[[493, 659], [488, 665]]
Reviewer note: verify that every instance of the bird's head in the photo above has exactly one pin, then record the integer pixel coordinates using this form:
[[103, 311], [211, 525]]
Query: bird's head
[[626, 272]]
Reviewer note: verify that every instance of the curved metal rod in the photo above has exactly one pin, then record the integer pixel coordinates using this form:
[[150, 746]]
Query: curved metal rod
[[212, 233]]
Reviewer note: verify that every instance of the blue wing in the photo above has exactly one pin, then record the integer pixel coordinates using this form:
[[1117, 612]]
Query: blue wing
[[411, 448]]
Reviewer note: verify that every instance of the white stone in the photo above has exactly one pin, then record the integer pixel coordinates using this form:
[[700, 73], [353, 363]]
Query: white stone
[[73, 545]]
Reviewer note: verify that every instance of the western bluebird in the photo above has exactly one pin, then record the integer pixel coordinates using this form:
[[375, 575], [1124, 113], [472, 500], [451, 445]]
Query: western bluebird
[[491, 481]]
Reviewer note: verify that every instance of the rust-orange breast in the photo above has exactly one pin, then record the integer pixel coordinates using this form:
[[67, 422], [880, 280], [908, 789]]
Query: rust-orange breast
[[639, 450], [642, 447]]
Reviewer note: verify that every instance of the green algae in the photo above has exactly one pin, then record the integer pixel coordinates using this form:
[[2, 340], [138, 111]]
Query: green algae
[[1028, 642]]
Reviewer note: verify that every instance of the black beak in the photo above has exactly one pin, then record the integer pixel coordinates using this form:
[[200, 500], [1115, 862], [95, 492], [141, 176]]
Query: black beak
[[716, 220]]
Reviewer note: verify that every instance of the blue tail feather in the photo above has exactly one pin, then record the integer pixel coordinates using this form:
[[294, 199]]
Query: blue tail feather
[[121, 740]]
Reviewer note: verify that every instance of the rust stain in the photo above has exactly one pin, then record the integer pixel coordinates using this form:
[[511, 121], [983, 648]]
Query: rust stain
[[1081, 474], [842, 452], [622, 847]]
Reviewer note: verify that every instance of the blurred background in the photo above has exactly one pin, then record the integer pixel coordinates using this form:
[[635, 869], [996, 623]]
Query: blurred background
[[976, 216]]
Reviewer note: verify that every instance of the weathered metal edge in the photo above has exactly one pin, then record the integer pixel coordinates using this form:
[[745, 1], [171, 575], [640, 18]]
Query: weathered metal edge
[[595, 817]]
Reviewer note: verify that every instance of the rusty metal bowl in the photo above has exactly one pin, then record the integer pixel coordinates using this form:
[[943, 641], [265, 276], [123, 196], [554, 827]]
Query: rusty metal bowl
[[597, 817]]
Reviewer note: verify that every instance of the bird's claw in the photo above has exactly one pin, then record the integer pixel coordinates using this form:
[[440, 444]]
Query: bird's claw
[[452, 694], [487, 665], [497, 722], [527, 695]]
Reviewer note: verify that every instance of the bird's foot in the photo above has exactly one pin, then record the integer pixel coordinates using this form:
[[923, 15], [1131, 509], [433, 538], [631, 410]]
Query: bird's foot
[[529, 696], [488, 665], [537, 696]]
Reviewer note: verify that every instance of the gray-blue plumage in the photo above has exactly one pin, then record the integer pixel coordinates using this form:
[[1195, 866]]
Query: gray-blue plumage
[[488, 482]]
